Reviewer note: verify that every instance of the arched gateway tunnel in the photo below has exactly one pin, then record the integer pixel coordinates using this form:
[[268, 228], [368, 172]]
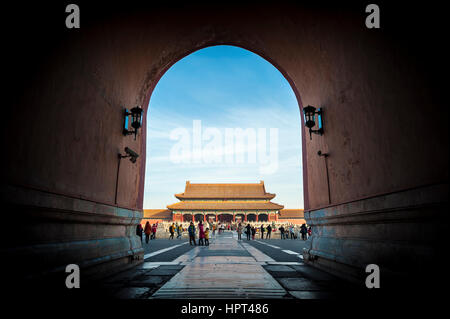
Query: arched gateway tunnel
[[382, 202]]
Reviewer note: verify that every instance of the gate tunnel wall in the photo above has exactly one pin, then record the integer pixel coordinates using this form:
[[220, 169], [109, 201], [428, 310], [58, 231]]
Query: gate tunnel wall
[[388, 176]]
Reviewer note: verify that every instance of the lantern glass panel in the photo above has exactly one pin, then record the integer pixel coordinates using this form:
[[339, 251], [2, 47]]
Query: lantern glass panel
[[136, 114]]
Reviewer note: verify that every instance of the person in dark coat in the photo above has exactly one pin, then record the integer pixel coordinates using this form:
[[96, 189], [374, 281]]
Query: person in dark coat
[[191, 231], [139, 231], [253, 232], [248, 231], [281, 229], [269, 231], [303, 231], [262, 231]]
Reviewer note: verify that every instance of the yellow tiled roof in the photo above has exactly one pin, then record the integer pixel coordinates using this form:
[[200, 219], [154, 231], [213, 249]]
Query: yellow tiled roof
[[291, 213], [157, 213], [225, 206], [236, 190]]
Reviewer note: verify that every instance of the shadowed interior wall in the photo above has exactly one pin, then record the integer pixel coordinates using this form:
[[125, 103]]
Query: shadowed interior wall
[[373, 85]]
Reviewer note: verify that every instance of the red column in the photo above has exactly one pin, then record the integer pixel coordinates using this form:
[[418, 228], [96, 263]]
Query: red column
[[234, 217], [193, 220], [276, 216], [245, 217], [216, 217], [256, 217], [204, 217]]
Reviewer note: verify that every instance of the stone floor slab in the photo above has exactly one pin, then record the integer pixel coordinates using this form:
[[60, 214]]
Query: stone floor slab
[[313, 294], [302, 284], [223, 260], [209, 280], [277, 268], [148, 281], [131, 292], [313, 273], [163, 271], [124, 276]]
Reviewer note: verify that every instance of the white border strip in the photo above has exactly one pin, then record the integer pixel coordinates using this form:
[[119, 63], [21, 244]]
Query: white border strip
[[162, 250]]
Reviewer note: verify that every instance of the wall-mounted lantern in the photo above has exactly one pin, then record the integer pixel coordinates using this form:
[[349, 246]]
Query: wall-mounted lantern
[[136, 120], [309, 113]]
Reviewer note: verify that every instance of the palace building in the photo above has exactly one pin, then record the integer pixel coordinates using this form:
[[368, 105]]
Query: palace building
[[234, 202], [225, 203]]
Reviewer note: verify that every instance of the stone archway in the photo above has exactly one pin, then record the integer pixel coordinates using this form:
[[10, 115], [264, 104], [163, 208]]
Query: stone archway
[[225, 218], [198, 218], [211, 218], [51, 188], [263, 217], [240, 217]]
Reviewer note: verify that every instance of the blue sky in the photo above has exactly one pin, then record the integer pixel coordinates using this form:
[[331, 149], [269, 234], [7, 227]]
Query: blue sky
[[223, 87]]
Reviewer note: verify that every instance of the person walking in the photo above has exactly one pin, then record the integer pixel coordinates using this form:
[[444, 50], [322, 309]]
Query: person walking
[[153, 236], [309, 231], [248, 231], [147, 231], [269, 231], [262, 231], [253, 232], [239, 231], [281, 229], [207, 237], [201, 234], [291, 232], [139, 231], [179, 231], [172, 230], [191, 231], [303, 231]]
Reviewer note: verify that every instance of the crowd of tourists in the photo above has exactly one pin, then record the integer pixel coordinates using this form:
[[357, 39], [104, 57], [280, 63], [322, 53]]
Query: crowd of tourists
[[265, 232], [251, 230]]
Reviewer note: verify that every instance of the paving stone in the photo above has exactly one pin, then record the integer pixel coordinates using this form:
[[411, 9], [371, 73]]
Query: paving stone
[[163, 271], [278, 268], [313, 294], [298, 284], [313, 273], [149, 281], [131, 293], [286, 274], [238, 253], [124, 276], [175, 267]]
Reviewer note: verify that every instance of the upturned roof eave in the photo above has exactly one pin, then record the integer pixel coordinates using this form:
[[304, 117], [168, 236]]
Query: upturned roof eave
[[176, 206], [266, 196]]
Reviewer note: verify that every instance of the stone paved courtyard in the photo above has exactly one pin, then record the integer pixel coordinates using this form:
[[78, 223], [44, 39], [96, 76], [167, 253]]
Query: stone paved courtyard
[[227, 268]]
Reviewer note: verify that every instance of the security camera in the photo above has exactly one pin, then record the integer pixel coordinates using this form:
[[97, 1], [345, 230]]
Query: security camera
[[131, 153], [322, 154]]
